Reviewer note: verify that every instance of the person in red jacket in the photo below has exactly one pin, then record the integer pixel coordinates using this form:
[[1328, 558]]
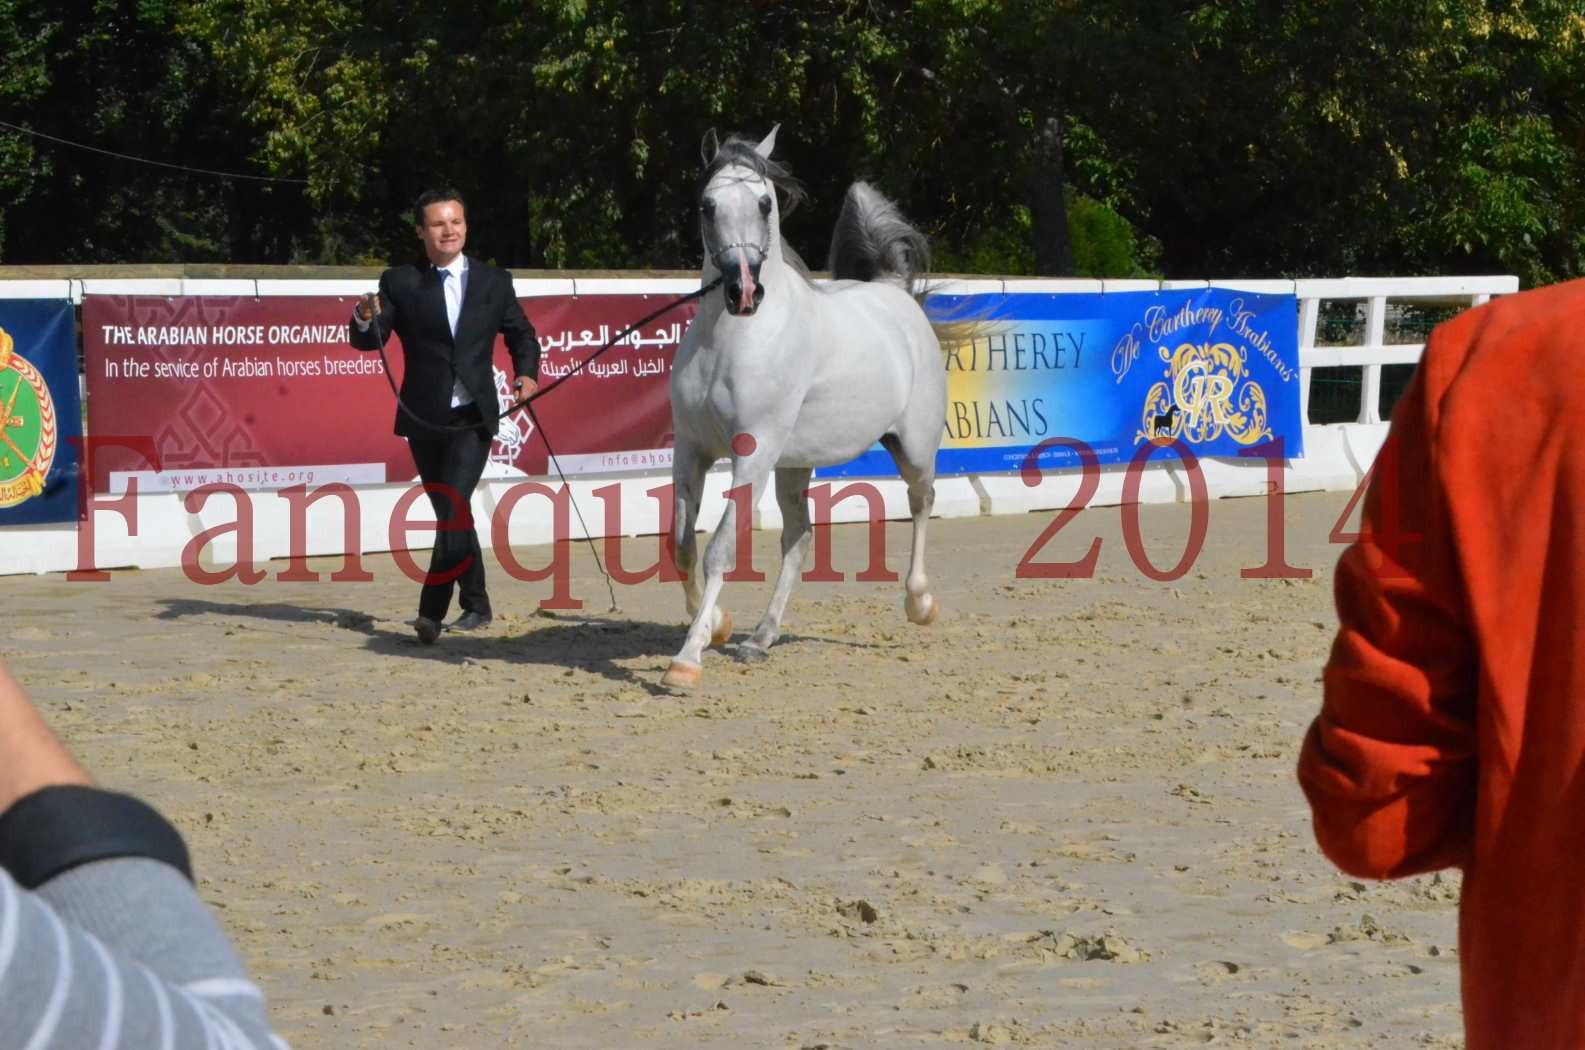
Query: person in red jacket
[[1452, 729]]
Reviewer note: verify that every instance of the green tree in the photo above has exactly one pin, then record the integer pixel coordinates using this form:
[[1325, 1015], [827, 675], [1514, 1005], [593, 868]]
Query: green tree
[[120, 76], [1229, 137]]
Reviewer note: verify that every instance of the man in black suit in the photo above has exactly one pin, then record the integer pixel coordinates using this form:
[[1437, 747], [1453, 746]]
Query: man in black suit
[[447, 310]]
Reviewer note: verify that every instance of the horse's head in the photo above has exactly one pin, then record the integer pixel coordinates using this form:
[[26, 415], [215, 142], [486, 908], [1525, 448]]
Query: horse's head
[[739, 217]]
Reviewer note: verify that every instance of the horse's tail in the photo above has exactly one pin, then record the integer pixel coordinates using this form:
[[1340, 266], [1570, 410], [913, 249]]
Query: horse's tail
[[873, 241]]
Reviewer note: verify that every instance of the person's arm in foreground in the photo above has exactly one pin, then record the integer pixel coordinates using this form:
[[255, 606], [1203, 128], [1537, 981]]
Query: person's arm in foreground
[[104, 945], [1389, 765]]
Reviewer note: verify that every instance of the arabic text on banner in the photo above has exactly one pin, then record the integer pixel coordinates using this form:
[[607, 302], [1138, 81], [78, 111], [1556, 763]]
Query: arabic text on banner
[[267, 393]]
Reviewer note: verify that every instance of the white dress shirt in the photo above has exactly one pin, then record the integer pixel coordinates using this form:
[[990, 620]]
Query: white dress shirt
[[455, 279]]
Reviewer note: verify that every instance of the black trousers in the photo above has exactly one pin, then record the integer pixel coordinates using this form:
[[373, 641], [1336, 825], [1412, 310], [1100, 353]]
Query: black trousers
[[454, 462]]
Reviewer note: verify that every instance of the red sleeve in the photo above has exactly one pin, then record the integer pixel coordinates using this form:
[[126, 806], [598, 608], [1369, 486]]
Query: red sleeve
[[1388, 767]]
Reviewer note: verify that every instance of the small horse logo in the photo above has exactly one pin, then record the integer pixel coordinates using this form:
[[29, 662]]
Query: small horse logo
[[515, 429], [1165, 422]]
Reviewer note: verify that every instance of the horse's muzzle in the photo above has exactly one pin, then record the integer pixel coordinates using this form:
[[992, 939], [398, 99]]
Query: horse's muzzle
[[742, 289], [733, 293]]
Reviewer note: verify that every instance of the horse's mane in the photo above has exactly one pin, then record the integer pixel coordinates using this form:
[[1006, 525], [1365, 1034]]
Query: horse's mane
[[740, 151]]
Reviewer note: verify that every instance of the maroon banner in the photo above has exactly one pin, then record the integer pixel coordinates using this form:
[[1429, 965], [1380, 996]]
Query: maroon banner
[[266, 393], [615, 414]]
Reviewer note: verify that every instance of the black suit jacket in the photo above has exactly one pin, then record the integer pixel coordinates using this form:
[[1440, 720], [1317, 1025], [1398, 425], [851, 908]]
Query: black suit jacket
[[413, 305]]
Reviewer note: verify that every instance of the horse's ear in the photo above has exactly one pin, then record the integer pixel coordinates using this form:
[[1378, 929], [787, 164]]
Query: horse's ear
[[709, 147], [768, 143]]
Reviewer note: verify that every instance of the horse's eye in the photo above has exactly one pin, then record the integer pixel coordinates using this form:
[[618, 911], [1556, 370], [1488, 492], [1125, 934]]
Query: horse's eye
[[764, 205], [707, 206]]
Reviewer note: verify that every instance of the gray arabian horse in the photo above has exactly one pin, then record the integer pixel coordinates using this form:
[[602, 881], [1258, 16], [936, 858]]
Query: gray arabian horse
[[781, 374]]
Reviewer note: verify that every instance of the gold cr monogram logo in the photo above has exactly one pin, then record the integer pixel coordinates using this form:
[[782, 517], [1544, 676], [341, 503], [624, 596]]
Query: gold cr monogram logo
[[1207, 393]]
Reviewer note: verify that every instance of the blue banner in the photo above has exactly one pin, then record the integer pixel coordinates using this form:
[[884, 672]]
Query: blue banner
[[1216, 369], [40, 411]]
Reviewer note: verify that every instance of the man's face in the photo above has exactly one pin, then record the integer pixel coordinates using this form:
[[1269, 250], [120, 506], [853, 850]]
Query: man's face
[[444, 230]]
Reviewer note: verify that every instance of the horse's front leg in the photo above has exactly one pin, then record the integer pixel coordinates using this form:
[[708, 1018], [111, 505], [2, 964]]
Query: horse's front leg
[[748, 473], [688, 477]]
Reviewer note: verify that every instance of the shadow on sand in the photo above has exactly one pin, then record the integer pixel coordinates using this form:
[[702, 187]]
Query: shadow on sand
[[595, 643]]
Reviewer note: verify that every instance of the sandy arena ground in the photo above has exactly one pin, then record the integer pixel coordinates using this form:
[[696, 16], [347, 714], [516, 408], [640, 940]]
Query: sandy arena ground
[[1064, 816]]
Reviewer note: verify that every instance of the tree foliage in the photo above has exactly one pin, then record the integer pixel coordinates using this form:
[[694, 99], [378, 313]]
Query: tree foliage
[[1220, 138]]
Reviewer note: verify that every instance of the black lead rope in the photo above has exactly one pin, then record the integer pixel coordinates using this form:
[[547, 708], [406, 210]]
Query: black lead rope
[[587, 535], [527, 403]]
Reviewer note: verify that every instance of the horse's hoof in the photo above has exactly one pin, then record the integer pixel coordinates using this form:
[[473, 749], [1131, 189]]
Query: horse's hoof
[[723, 630], [926, 618], [748, 653], [681, 676]]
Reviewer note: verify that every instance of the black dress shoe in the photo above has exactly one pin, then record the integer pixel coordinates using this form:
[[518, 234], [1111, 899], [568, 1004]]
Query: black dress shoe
[[427, 630], [469, 621]]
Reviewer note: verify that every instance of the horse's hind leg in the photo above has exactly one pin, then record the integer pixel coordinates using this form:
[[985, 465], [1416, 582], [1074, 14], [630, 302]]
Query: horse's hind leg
[[919, 473], [792, 484]]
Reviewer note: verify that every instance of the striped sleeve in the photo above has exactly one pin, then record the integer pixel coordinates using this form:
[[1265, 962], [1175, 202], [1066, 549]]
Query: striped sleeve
[[121, 955]]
